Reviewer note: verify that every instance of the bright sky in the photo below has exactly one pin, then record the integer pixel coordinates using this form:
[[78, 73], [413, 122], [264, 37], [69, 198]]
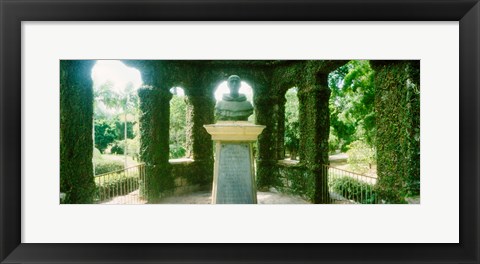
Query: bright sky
[[117, 73], [222, 89], [244, 89], [180, 91], [120, 75]]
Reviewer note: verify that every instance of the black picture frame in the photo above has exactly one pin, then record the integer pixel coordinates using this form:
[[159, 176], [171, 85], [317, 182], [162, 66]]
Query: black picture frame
[[13, 12]]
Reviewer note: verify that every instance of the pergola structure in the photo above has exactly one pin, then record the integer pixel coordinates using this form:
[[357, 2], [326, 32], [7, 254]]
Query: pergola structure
[[269, 80]]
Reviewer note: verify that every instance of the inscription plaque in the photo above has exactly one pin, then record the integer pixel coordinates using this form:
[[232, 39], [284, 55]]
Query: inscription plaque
[[235, 179]]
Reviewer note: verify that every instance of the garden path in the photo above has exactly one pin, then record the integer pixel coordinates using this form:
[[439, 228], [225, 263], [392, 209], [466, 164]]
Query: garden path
[[205, 198]]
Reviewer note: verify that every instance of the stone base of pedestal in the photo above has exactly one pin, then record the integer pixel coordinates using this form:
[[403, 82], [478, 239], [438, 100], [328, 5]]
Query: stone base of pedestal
[[234, 174]]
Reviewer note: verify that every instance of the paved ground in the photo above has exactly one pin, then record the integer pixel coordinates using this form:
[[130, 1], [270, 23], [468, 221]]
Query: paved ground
[[205, 198], [131, 198], [338, 157], [262, 197]]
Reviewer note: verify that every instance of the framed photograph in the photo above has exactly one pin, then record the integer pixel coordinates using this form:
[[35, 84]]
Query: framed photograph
[[353, 127]]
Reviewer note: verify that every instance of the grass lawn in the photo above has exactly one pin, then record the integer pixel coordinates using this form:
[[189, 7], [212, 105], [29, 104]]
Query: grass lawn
[[342, 164]]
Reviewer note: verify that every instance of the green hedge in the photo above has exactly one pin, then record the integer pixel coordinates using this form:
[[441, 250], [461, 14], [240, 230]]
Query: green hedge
[[353, 189], [116, 185], [104, 166]]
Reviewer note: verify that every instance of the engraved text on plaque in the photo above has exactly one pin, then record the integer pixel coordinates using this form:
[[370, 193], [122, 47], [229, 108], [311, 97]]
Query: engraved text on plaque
[[235, 179]]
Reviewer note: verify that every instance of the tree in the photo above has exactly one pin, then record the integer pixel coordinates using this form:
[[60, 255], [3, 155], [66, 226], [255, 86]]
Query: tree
[[178, 122], [105, 95], [118, 101], [292, 123], [352, 110], [105, 134], [120, 127]]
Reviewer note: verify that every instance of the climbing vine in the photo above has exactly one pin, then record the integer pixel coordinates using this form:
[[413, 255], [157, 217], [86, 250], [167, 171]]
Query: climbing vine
[[310, 78], [154, 121], [76, 143], [398, 129]]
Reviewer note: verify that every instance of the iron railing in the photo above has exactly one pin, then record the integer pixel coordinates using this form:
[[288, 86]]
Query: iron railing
[[349, 187], [125, 186]]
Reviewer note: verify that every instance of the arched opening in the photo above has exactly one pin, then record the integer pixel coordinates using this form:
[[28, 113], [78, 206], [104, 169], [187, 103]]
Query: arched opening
[[292, 125], [178, 124], [352, 117], [115, 116], [245, 89]]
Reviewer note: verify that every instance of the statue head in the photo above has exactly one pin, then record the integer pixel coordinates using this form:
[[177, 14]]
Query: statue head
[[233, 106], [233, 84]]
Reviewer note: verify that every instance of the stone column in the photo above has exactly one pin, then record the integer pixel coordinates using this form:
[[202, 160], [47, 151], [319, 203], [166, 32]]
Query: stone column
[[154, 99], [314, 132], [397, 107], [201, 111], [267, 141], [154, 143], [76, 124], [280, 138]]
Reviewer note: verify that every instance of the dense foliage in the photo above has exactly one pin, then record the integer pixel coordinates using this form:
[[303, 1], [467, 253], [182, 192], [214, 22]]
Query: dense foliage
[[355, 190], [115, 184], [352, 113], [76, 143], [105, 165], [361, 157], [178, 124], [133, 147], [292, 124], [352, 105], [154, 126], [105, 133], [120, 127], [398, 129], [374, 115], [113, 111]]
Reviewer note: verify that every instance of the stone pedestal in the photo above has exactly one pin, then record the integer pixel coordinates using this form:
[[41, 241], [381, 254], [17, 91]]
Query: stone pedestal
[[234, 174]]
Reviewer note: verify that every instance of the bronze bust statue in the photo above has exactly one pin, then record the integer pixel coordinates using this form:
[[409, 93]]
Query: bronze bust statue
[[233, 106]]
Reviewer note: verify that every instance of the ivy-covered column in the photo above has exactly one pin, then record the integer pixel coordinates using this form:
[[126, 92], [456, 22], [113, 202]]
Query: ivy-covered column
[[397, 106], [154, 141], [314, 118], [76, 142], [280, 118], [201, 112], [266, 145]]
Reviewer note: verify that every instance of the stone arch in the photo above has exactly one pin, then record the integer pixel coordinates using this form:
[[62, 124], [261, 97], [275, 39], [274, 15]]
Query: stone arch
[[115, 80]]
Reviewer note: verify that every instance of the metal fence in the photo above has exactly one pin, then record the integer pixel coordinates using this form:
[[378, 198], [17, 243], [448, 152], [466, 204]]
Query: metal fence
[[125, 186], [349, 187]]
